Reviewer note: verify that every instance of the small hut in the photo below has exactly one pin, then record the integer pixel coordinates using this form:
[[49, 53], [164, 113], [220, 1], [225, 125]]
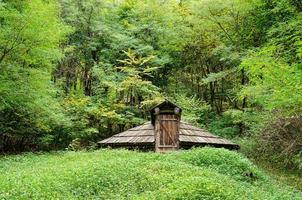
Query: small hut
[[166, 132]]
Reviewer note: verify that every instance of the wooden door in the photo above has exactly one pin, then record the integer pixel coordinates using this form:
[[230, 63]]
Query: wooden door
[[168, 131]]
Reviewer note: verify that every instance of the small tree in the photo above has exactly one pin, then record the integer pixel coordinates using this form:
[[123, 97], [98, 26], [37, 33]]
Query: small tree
[[136, 89]]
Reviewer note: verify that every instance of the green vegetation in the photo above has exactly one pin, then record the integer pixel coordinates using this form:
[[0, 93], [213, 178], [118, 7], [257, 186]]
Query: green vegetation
[[206, 173], [73, 72]]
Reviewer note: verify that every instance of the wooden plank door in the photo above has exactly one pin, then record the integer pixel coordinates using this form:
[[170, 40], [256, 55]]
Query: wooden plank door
[[168, 131]]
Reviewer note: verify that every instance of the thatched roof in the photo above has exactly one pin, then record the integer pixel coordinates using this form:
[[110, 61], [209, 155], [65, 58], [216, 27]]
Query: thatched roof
[[188, 136]]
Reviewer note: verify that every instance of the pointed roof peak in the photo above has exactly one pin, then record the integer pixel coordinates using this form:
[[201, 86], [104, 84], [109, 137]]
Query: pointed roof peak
[[165, 106], [165, 103]]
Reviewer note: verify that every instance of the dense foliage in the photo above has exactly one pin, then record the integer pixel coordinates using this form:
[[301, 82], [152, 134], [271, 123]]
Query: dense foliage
[[30, 35], [73, 72], [206, 173]]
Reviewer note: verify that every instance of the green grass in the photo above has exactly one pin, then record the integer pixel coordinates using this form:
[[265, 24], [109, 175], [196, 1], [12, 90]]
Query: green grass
[[278, 170], [205, 173], [284, 176]]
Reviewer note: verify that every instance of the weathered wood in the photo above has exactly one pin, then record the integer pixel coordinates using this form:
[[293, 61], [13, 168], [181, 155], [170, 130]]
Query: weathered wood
[[166, 132], [166, 122]]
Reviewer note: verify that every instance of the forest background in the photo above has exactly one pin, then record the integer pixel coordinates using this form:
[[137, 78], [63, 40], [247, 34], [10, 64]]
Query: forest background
[[73, 72]]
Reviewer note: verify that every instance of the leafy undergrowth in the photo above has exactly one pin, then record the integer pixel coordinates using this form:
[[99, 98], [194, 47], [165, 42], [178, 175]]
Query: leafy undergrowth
[[282, 175], [278, 170], [205, 173]]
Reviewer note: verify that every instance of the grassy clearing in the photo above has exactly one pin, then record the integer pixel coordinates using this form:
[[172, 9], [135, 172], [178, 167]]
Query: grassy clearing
[[205, 173]]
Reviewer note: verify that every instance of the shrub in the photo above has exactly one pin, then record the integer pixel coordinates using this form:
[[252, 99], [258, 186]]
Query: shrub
[[225, 162], [281, 142]]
